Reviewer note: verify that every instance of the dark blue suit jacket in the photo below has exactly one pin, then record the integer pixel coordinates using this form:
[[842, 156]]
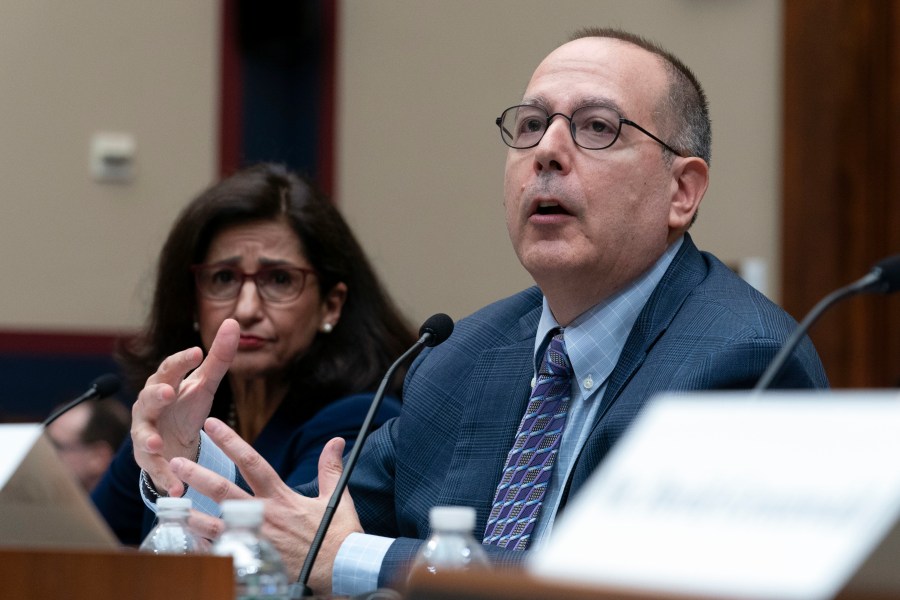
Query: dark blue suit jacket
[[702, 328], [292, 447]]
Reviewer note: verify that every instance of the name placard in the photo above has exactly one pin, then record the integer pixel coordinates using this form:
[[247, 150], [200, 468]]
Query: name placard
[[41, 504], [738, 495]]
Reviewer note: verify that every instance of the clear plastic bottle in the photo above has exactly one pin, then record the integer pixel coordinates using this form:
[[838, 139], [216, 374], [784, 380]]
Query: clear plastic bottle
[[258, 570], [171, 535], [451, 546]]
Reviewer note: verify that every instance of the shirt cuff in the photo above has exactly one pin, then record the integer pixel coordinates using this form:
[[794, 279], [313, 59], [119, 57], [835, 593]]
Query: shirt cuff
[[358, 563], [212, 458]]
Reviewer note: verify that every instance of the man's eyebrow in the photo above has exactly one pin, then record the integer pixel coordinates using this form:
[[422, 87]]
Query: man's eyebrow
[[538, 101], [547, 105], [604, 101]]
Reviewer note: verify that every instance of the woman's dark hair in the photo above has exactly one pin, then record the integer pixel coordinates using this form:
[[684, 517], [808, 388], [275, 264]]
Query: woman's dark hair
[[369, 336]]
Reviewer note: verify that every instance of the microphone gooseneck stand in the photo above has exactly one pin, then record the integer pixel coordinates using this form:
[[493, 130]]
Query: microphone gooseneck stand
[[884, 278], [434, 331]]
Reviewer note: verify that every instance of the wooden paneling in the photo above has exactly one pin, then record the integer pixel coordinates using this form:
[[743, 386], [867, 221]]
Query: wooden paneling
[[841, 186], [89, 575]]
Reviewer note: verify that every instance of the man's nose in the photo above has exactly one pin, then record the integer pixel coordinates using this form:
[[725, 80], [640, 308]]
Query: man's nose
[[553, 152]]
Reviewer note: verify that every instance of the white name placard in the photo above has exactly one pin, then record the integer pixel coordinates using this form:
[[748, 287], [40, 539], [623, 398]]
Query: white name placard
[[41, 503], [736, 495]]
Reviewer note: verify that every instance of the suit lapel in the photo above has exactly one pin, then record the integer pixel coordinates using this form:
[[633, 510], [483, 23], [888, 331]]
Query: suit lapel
[[683, 275], [496, 398], [687, 270]]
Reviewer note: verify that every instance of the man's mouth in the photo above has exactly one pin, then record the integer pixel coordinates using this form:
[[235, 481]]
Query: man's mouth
[[550, 207]]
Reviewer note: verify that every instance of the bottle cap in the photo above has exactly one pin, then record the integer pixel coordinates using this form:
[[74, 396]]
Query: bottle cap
[[453, 518], [242, 512], [168, 503]]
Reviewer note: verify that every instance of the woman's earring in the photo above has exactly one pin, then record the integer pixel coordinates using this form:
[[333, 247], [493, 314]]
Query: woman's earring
[[327, 327], [196, 326]]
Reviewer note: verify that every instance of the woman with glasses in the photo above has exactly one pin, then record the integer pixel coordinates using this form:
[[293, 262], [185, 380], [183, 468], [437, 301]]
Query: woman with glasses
[[317, 330]]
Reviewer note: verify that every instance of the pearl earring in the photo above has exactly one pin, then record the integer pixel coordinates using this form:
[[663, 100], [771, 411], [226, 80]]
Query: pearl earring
[[327, 327], [196, 326]]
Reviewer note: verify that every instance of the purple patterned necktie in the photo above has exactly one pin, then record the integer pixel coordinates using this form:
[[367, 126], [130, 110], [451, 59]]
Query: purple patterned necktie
[[529, 463]]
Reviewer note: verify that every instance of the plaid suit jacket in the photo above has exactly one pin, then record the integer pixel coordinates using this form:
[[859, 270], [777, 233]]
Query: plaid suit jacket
[[702, 328]]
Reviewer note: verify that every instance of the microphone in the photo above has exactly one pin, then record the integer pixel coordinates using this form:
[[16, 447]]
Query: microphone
[[103, 386], [884, 278], [434, 330]]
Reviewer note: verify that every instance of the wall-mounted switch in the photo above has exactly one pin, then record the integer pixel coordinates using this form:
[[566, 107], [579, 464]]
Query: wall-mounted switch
[[112, 157]]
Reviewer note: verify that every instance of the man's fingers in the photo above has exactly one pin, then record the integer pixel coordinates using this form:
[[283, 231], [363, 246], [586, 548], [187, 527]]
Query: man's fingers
[[169, 411], [204, 525], [331, 466], [259, 474], [151, 402], [174, 368], [210, 484], [162, 477], [221, 354], [148, 444], [209, 371]]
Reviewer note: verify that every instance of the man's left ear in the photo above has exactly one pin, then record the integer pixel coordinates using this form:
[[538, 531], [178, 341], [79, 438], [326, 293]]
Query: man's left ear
[[690, 178]]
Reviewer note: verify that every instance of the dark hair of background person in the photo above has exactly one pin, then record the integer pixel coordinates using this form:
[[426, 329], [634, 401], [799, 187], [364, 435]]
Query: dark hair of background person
[[369, 336], [109, 422]]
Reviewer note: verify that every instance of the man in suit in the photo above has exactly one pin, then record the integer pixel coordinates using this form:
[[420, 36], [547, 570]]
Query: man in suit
[[608, 161]]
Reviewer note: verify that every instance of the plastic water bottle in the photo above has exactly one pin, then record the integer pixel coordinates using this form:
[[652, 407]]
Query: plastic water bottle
[[451, 546], [171, 535], [258, 570]]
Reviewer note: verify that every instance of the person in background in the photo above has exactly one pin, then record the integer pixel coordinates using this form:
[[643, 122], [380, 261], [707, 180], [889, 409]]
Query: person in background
[[317, 328], [607, 162], [87, 436]]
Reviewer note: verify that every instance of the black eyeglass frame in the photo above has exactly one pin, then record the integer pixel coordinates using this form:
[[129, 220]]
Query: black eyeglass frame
[[243, 277], [622, 121]]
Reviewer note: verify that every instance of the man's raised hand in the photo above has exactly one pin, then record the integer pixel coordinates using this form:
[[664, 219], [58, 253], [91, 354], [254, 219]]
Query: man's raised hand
[[170, 410]]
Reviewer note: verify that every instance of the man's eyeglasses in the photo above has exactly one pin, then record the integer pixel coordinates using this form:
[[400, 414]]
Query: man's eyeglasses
[[274, 284], [592, 127]]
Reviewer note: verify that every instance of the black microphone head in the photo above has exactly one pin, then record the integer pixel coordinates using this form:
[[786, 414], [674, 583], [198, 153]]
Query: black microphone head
[[439, 327], [888, 274], [106, 385]]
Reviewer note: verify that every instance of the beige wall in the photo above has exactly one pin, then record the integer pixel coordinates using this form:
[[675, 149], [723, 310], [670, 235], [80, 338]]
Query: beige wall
[[421, 162], [78, 254]]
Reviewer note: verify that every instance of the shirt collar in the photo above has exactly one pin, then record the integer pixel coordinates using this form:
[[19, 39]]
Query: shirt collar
[[595, 339]]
